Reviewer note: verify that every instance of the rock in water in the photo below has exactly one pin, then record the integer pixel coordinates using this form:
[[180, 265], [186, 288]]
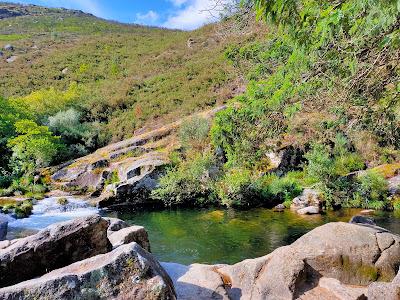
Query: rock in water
[[350, 253], [128, 272], [54, 247], [309, 198], [115, 225], [3, 227], [279, 208], [362, 220], [309, 210], [128, 235]]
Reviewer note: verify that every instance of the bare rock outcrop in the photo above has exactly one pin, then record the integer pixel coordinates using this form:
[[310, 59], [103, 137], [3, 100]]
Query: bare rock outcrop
[[54, 247], [124, 172], [128, 272]]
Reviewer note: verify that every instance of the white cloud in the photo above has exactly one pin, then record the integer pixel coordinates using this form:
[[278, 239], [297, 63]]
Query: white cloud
[[148, 18], [192, 14]]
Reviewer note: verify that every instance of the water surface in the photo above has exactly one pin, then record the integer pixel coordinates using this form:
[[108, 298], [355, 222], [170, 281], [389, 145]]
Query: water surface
[[229, 236]]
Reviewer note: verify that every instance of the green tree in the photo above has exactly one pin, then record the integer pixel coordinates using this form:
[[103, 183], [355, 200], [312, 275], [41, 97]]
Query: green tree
[[33, 147]]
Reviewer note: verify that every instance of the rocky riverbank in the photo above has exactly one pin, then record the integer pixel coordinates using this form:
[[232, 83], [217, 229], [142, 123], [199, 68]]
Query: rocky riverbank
[[105, 258]]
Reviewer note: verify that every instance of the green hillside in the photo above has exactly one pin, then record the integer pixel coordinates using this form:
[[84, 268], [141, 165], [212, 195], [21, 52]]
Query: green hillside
[[124, 75], [315, 87]]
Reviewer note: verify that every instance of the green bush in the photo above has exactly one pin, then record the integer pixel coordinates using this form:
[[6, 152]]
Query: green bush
[[23, 210], [284, 189], [113, 178], [371, 192], [188, 184], [194, 132], [238, 189]]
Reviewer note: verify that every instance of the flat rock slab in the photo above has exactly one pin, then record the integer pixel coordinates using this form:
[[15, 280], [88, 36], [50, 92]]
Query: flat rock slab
[[196, 281], [54, 247], [128, 235], [128, 272]]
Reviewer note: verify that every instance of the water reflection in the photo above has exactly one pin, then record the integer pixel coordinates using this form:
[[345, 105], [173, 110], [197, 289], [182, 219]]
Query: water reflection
[[229, 236]]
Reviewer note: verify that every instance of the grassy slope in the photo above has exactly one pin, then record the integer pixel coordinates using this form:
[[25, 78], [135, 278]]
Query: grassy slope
[[128, 76]]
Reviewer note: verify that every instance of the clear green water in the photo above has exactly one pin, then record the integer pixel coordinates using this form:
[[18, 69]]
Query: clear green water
[[228, 236]]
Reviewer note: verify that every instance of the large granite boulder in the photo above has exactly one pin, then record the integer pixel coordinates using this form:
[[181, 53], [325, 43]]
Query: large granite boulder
[[54, 247], [128, 235], [333, 261], [128, 272]]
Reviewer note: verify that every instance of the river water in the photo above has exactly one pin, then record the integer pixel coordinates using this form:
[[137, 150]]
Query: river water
[[201, 235]]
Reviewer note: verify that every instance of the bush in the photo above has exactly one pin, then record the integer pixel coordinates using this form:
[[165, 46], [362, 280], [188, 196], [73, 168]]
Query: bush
[[23, 210], [238, 189], [194, 132], [284, 189], [113, 178], [372, 191], [188, 184]]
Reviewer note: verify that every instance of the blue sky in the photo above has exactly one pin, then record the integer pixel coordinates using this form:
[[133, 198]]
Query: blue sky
[[177, 14]]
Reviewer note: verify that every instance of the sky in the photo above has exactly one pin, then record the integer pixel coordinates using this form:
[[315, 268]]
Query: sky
[[174, 14]]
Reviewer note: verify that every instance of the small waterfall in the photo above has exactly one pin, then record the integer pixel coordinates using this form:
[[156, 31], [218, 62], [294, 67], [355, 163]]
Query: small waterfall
[[49, 211]]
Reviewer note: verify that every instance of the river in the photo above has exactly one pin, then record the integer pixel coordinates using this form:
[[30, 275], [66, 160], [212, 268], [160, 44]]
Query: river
[[202, 235]]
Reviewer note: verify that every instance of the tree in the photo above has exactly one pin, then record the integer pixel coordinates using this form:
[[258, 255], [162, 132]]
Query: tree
[[33, 147]]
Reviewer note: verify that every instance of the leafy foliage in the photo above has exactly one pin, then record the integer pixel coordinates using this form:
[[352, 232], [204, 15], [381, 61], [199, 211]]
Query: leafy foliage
[[33, 147]]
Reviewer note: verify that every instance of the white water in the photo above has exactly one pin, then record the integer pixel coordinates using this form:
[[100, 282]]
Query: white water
[[48, 211]]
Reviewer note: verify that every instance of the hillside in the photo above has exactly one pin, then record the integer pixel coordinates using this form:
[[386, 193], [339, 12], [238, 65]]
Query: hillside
[[126, 75], [311, 94]]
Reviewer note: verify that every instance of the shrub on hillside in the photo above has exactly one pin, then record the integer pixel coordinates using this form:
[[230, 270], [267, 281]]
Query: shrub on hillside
[[189, 183], [194, 132]]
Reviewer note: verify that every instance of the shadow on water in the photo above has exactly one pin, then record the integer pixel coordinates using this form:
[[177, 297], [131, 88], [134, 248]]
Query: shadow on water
[[228, 236]]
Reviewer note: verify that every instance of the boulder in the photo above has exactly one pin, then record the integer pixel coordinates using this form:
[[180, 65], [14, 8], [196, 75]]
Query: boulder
[[54, 247], [309, 210], [367, 212], [128, 272], [11, 59], [362, 220], [308, 198], [115, 224], [350, 253], [197, 281], [279, 208], [394, 185], [8, 47], [3, 227], [128, 235]]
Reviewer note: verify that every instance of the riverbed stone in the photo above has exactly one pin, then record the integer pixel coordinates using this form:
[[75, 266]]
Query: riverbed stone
[[279, 208], [3, 227], [362, 220], [54, 247], [128, 235], [115, 224], [308, 198], [309, 210], [128, 272]]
